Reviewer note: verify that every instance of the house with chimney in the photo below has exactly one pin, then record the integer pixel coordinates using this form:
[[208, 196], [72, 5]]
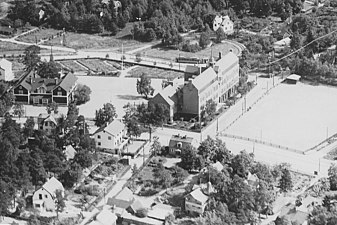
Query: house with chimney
[[179, 143], [34, 90]]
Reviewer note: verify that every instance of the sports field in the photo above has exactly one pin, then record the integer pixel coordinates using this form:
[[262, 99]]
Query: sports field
[[296, 116], [114, 90]]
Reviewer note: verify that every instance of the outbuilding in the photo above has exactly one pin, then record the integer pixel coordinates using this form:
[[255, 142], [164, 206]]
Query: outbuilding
[[292, 79]]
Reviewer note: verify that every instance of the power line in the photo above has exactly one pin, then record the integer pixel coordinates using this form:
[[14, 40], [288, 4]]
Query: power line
[[270, 63]]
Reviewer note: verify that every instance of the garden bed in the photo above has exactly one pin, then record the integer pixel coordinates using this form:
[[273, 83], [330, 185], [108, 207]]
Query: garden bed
[[72, 66], [154, 73], [97, 65]]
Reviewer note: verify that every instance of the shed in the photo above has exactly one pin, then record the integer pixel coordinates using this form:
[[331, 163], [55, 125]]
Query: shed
[[292, 79]]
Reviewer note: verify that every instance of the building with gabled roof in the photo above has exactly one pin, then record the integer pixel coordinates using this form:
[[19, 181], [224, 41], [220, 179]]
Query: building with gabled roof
[[69, 152], [44, 198], [218, 82], [6, 72], [224, 23], [48, 122], [122, 200], [110, 137], [196, 201], [31, 89]]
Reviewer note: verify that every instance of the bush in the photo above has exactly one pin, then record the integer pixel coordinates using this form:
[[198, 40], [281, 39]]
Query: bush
[[142, 213]]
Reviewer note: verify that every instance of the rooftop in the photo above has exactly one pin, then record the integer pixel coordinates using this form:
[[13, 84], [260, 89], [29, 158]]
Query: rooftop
[[113, 128]]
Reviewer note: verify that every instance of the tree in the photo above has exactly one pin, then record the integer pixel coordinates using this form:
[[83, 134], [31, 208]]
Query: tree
[[296, 41], [179, 173], [156, 146], [5, 198], [82, 94], [31, 57], [209, 110], [144, 86], [18, 110], [133, 128], [164, 177], [60, 202], [135, 170], [204, 40], [188, 158], [332, 175], [285, 182], [105, 115], [282, 221], [52, 107], [220, 35], [242, 163], [158, 113], [49, 69], [83, 158]]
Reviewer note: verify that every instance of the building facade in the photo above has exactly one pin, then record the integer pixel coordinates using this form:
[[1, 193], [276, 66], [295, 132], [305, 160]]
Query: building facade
[[44, 198], [6, 72], [218, 82], [31, 89], [111, 137], [196, 201]]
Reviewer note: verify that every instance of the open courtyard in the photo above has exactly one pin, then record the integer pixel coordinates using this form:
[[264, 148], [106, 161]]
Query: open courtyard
[[296, 116], [114, 90]]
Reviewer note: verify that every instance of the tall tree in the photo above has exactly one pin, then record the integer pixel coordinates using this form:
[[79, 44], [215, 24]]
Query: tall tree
[[49, 69], [144, 86], [105, 115], [31, 57], [82, 94], [332, 175], [285, 183], [18, 110], [5, 198]]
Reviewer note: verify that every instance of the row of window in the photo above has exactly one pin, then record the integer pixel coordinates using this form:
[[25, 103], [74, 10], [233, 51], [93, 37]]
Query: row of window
[[99, 137], [59, 93]]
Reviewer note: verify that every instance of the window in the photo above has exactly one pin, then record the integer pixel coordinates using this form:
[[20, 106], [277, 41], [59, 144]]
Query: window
[[99, 136], [20, 92], [109, 137], [37, 205], [46, 196], [40, 196], [45, 100], [99, 143], [179, 144], [41, 90], [59, 93], [36, 101]]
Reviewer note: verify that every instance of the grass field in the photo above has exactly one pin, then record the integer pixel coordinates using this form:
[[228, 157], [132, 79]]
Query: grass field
[[171, 54], [97, 65], [297, 116], [89, 41], [154, 73]]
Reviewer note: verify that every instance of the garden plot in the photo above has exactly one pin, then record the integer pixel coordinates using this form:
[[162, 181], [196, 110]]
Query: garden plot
[[154, 73], [297, 116], [118, 91], [97, 65], [72, 65], [42, 34]]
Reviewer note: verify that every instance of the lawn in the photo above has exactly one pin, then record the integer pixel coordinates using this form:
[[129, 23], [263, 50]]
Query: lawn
[[118, 91], [40, 35], [154, 73], [90, 41], [297, 116], [171, 54]]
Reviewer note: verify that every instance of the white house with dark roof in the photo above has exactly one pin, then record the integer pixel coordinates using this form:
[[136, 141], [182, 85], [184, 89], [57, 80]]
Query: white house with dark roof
[[224, 23], [110, 137], [44, 198], [6, 72]]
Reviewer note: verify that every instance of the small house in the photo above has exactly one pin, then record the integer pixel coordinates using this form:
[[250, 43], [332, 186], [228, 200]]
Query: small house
[[6, 72], [105, 217], [196, 201], [225, 23], [69, 152], [292, 79], [123, 199], [179, 143], [45, 197], [110, 137], [48, 122]]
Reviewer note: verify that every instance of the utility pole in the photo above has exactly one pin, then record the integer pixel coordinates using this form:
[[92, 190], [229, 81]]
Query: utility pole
[[122, 55]]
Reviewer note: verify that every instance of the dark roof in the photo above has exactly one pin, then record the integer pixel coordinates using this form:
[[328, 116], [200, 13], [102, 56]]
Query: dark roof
[[135, 206], [67, 82], [32, 84]]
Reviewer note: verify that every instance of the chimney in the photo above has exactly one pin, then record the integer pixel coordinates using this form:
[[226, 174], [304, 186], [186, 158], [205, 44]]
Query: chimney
[[220, 55]]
